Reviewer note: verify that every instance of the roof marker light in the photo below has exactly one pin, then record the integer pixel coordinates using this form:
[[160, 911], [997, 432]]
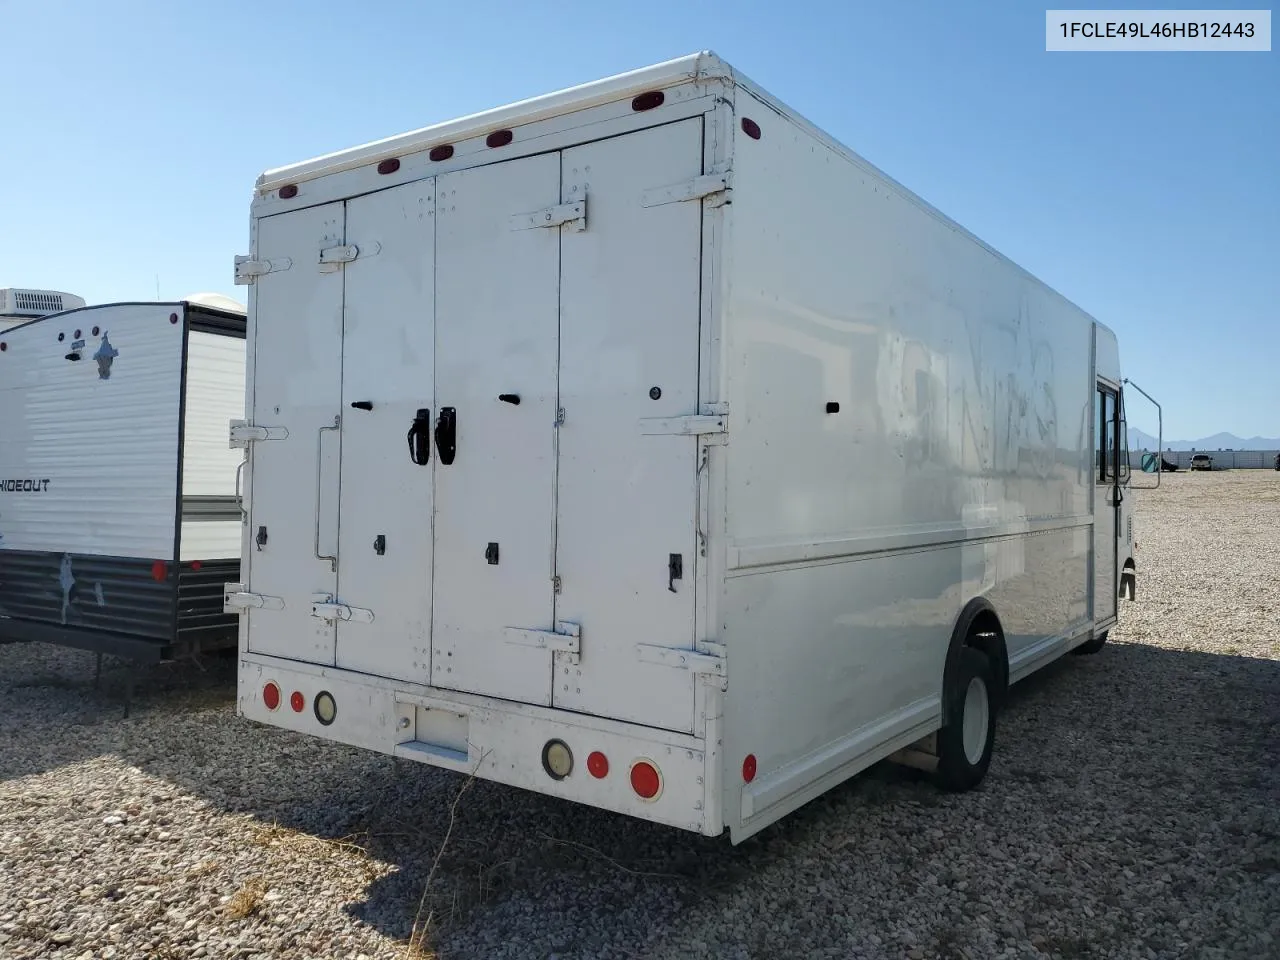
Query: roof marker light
[[389, 166], [288, 191], [499, 138], [442, 152], [647, 101], [751, 128], [173, 318]]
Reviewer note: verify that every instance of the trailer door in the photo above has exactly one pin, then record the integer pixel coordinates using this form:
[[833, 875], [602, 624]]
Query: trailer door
[[627, 501], [382, 607], [297, 357], [1106, 504], [497, 288]]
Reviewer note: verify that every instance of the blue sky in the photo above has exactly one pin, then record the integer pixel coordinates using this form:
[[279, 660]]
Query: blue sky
[[1145, 187]]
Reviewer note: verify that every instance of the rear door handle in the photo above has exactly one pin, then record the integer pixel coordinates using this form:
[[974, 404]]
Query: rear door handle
[[419, 437], [447, 435]]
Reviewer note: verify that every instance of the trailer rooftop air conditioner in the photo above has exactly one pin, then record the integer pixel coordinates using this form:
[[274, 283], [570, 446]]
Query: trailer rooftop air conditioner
[[30, 304]]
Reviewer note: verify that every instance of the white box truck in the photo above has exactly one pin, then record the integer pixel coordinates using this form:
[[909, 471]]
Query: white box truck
[[643, 446], [119, 523]]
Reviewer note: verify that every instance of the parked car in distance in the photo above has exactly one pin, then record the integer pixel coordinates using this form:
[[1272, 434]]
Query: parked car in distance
[[1201, 461]]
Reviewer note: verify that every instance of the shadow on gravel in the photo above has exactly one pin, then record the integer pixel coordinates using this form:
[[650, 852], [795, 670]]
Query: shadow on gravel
[[1134, 732]]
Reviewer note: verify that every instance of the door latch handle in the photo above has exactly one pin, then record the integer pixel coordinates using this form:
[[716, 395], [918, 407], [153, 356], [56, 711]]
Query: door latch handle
[[361, 405], [675, 570], [511, 398], [447, 435], [419, 437], [380, 544]]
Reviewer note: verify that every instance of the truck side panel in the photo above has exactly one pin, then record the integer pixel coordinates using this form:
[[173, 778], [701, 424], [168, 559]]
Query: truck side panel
[[909, 429]]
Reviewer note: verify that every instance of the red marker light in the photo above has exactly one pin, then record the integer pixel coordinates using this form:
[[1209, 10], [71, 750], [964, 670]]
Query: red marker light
[[646, 781], [173, 318], [751, 128], [271, 695], [442, 152], [749, 768], [389, 166], [159, 571], [196, 564], [598, 765], [499, 138], [647, 101], [288, 191], [297, 701]]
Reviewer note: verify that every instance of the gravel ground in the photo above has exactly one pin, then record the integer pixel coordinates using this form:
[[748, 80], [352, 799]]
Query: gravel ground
[[1132, 810]]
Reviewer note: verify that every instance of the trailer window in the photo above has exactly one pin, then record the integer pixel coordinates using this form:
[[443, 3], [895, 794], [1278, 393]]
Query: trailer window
[[1107, 454]]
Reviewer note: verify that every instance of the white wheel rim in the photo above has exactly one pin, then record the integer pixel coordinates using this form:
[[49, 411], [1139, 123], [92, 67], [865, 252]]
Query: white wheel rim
[[976, 721]]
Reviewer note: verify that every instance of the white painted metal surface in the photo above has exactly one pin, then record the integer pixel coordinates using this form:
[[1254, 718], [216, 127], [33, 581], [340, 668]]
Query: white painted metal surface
[[295, 383], [496, 335], [388, 356], [90, 462], [629, 304], [214, 397], [741, 425]]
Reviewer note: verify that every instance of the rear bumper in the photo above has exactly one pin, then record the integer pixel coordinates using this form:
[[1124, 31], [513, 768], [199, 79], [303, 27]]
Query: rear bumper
[[492, 739]]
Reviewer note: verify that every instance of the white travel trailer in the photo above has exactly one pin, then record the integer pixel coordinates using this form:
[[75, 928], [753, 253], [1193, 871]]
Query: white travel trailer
[[643, 446], [119, 522], [21, 306]]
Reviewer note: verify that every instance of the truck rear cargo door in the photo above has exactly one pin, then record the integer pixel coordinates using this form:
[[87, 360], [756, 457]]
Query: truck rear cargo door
[[382, 609], [497, 283], [627, 500], [297, 349]]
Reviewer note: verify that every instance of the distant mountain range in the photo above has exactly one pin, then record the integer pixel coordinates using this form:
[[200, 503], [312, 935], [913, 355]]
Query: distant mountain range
[[1219, 441]]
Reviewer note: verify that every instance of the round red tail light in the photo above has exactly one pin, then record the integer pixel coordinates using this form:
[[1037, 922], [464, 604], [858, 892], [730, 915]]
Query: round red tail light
[[646, 781], [598, 765], [271, 695], [749, 768], [297, 701], [159, 571]]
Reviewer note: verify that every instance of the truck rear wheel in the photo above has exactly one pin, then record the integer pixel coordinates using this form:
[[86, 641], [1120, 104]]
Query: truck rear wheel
[[968, 730]]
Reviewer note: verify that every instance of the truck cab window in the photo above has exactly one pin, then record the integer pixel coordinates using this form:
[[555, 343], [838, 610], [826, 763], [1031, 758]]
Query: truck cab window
[[1108, 447]]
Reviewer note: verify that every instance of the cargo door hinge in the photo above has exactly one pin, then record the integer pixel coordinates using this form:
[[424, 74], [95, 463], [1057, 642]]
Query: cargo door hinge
[[235, 599], [334, 258], [714, 187], [565, 639], [249, 269], [708, 661], [323, 607], [244, 433], [712, 423], [574, 214]]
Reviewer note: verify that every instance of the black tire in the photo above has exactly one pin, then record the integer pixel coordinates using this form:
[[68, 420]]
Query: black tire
[[1091, 646], [957, 771]]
